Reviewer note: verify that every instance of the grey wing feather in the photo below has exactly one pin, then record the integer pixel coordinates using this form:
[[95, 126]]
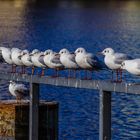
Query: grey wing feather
[[72, 57], [29, 59], [22, 90], [56, 60], [120, 57], [91, 59], [41, 60]]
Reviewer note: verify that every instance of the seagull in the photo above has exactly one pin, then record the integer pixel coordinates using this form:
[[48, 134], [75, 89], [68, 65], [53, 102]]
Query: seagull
[[18, 90], [87, 61], [68, 60], [5, 54], [113, 61], [1, 57], [35, 55], [132, 66], [26, 59], [52, 60], [15, 55]]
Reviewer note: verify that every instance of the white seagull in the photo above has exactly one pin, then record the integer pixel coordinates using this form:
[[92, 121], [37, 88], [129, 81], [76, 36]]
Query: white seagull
[[68, 60], [18, 90], [26, 59], [15, 55], [35, 58], [6, 55], [113, 61], [132, 66], [87, 61], [52, 60]]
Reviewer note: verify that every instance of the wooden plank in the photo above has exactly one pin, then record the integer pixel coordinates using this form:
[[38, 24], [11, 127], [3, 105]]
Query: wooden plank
[[14, 119], [105, 115], [33, 117], [75, 83]]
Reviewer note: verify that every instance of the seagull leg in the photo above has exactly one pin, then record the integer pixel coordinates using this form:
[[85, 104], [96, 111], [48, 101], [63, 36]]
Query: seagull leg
[[68, 73], [23, 70], [79, 74], [85, 74], [74, 73], [55, 73], [33, 70], [112, 73], [42, 72], [120, 75], [117, 76], [90, 74], [13, 68]]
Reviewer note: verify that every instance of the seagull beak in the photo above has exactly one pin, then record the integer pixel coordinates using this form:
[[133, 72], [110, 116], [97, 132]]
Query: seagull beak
[[42, 55], [57, 55], [100, 53], [30, 54], [19, 56], [73, 53]]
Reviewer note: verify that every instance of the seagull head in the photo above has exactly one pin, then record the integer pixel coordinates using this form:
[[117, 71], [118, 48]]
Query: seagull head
[[15, 50], [80, 51], [11, 82], [48, 52], [24, 52], [35, 51], [107, 51], [63, 51]]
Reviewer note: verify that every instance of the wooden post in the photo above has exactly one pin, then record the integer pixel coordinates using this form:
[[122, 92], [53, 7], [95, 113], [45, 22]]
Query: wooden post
[[33, 117], [105, 116]]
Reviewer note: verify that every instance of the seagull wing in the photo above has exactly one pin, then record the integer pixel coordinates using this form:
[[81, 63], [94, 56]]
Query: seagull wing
[[95, 62], [72, 57], [120, 57], [41, 60], [1, 59], [91, 59], [56, 60], [29, 59], [21, 90]]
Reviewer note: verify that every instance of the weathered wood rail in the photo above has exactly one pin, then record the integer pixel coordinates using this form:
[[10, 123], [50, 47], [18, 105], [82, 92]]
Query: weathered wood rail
[[105, 89]]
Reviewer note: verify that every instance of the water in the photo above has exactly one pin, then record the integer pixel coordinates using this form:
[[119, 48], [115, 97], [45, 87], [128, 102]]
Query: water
[[73, 24]]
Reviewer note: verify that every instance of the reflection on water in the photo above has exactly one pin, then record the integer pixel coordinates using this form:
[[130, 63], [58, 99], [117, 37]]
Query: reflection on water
[[71, 24]]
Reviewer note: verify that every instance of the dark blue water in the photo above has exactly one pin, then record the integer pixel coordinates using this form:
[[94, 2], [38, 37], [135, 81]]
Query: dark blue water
[[73, 24]]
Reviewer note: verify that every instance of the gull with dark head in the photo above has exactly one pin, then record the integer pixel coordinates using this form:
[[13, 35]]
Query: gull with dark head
[[35, 58], [132, 66], [113, 61], [18, 90], [52, 60], [68, 60], [87, 61]]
